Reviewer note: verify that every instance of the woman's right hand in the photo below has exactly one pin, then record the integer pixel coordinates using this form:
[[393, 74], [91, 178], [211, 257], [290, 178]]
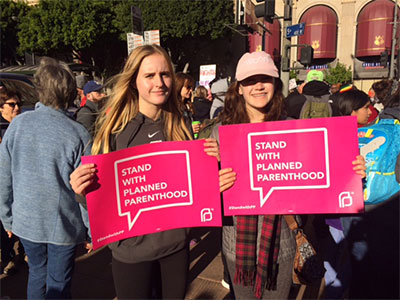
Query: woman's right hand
[[226, 179], [81, 178], [88, 246]]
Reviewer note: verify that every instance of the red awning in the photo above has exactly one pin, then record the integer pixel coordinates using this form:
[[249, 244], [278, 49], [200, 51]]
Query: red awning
[[374, 31], [272, 40], [320, 31]]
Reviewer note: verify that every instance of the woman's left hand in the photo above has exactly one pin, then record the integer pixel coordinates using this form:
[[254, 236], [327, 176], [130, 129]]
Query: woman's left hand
[[211, 147], [226, 179], [359, 166], [196, 127]]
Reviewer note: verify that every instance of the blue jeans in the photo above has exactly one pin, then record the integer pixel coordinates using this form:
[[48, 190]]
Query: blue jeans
[[50, 270]]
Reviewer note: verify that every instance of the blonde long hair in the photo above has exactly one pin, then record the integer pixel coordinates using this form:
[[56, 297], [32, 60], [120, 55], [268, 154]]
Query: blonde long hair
[[122, 105]]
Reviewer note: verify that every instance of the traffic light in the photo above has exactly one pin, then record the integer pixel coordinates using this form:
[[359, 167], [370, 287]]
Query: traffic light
[[384, 58], [266, 10], [306, 55]]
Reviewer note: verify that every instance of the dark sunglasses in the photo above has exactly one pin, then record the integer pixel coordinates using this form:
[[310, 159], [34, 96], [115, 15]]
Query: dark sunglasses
[[13, 104]]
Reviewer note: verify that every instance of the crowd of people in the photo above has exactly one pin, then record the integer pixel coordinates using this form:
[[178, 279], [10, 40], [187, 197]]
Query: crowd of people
[[43, 182]]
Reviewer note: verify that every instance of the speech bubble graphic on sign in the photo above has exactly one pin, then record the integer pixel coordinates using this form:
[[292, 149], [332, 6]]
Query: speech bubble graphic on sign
[[152, 188], [141, 185], [275, 166]]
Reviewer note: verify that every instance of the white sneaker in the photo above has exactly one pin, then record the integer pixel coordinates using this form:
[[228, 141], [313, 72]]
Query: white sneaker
[[225, 284]]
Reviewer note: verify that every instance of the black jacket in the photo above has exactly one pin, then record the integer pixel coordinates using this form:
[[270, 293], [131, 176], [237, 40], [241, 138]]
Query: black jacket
[[201, 109], [3, 126], [294, 101], [87, 115], [142, 130]]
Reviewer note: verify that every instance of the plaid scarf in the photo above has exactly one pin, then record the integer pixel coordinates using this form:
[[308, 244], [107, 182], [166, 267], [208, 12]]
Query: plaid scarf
[[264, 273]]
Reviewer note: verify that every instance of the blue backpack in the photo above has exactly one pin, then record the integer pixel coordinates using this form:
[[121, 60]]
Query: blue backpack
[[380, 146]]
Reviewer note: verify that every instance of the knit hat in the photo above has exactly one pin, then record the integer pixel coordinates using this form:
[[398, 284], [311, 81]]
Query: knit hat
[[256, 63]]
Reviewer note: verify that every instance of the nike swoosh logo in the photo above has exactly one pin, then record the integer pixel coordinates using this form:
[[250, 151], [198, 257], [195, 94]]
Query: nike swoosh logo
[[150, 135]]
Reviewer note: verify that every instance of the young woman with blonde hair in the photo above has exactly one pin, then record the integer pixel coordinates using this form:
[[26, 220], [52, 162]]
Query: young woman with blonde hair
[[124, 102], [143, 108]]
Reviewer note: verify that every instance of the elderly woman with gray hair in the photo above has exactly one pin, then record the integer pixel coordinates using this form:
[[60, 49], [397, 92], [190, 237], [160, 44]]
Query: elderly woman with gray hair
[[38, 152]]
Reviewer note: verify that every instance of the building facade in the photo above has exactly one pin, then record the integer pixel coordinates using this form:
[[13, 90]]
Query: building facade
[[352, 32]]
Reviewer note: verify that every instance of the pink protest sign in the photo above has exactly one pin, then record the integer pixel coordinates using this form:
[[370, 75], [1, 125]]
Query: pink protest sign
[[152, 188], [292, 167]]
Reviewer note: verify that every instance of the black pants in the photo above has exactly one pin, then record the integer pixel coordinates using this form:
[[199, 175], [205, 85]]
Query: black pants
[[135, 281]]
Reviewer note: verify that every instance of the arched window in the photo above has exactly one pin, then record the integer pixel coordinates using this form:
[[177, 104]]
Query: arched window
[[374, 28], [320, 31]]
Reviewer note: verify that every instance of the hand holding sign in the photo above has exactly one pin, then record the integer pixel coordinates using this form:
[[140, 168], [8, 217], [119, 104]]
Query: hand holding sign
[[360, 166], [211, 148], [81, 178], [227, 178]]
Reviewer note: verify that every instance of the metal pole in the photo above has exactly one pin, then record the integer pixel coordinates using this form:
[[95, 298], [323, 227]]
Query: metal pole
[[237, 14], [398, 60], [132, 12], [285, 54], [263, 41], [391, 72]]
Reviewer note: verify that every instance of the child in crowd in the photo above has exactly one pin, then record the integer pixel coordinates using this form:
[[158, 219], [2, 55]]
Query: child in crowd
[[355, 103]]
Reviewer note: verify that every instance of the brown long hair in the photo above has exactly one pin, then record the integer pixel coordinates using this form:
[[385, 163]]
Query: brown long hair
[[388, 92], [234, 111], [123, 106], [183, 79]]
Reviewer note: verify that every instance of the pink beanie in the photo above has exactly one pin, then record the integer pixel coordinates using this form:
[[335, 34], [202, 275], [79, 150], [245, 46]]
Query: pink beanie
[[255, 63]]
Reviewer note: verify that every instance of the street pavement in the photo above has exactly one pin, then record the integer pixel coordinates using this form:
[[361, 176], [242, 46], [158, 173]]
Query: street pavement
[[93, 278]]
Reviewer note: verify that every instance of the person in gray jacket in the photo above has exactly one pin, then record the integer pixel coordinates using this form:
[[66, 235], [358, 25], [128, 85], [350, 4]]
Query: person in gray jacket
[[39, 151], [143, 108], [218, 90]]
